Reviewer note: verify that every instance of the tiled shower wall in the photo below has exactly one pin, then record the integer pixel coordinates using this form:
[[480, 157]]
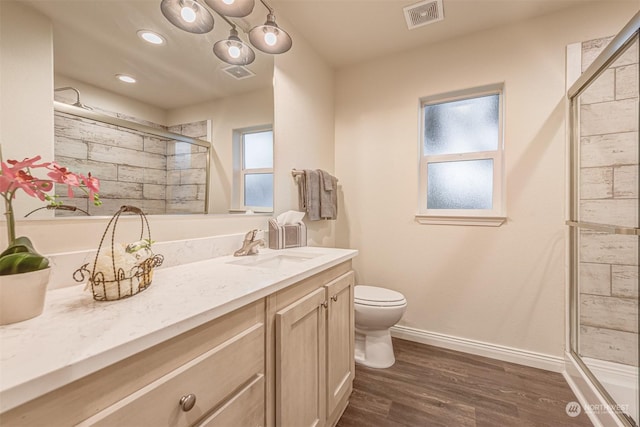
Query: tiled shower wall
[[608, 194], [159, 175], [187, 170]]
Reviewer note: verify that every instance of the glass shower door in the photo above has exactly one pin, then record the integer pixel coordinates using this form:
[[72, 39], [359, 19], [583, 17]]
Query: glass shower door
[[604, 229]]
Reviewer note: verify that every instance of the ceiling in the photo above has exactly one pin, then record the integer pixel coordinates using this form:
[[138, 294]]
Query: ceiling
[[95, 39], [346, 32]]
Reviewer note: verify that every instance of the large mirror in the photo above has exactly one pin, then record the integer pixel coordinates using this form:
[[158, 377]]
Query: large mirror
[[181, 87]]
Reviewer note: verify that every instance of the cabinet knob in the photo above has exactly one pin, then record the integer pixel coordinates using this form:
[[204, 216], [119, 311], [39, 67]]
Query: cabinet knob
[[334, 298], [188, 402], [325, 304]]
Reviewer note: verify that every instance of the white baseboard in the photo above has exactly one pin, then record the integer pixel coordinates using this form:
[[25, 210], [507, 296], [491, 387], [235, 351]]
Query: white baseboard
[[479, 348]]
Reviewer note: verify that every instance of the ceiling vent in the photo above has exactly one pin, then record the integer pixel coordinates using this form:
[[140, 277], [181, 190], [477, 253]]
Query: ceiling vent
[[238, 72], [423, 13]]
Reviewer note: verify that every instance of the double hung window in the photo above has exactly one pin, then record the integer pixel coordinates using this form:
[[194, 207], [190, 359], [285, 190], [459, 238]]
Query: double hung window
[[254, 171], [461, 158]]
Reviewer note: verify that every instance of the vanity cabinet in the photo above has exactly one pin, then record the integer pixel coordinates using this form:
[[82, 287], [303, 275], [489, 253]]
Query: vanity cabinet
[[285, 360], [314, 364], [340, 345], [212, 375]]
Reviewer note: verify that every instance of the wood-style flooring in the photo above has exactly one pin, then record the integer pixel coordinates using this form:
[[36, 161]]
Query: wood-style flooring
[[431, 386]]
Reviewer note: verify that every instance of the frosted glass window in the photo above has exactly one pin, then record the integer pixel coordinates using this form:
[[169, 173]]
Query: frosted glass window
[[462, 126], [460, 185], [258, 150], [258, 190], [253, 169], [461, 157]]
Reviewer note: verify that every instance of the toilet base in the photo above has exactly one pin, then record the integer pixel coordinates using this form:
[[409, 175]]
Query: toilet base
[[374, 348]]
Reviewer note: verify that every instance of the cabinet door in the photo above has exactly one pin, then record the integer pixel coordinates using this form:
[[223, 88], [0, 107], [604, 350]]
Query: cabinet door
[[300, 362], [340, 340]]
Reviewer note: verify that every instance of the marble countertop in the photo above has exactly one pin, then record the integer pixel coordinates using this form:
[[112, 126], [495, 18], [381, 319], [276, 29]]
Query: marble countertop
[[76, 336]]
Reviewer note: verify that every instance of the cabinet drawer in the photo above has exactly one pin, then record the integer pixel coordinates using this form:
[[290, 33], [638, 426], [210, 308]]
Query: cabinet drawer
[[211, 377], [245, 409]]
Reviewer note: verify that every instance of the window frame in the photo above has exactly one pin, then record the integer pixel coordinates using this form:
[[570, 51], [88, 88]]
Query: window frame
[[488, 217], [240, 172]]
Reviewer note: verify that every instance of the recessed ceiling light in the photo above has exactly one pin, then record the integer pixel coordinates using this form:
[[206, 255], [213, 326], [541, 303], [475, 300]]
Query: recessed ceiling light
[[151, 37], [125, 78]]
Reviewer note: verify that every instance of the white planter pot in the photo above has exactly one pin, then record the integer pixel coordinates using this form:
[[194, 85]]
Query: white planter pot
[[22, 295]]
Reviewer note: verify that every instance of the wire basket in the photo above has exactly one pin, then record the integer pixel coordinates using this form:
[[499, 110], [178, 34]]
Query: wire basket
[[129, 271]]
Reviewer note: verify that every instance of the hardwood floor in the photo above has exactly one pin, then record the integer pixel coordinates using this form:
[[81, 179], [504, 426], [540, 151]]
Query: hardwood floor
[[431, 386]]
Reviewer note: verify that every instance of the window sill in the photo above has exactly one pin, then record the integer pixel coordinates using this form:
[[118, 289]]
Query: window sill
[[482, 221], [249, 211]]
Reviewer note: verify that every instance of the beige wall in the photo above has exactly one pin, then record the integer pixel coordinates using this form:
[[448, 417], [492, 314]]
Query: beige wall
[[503, 285], [26, 87], [304, 132]]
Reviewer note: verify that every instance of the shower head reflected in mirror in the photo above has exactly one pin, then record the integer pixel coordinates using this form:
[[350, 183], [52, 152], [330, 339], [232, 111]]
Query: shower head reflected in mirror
[[77, 103]]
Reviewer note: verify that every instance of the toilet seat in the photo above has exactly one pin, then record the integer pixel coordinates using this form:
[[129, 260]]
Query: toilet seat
[[378, 297]]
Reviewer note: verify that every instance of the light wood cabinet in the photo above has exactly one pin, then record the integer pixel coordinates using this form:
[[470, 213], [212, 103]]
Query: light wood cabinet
[[300, 361], [221, 363], [210, 381], [340, 345], [285, 360], [314, 364]]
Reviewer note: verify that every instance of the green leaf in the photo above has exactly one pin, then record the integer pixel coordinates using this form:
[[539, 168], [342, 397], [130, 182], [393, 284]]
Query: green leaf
[[22, 262], [21, 244]]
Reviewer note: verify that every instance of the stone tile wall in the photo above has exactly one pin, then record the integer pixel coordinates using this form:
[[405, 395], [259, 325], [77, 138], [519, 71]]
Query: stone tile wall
[[133, 167], [608, 269]]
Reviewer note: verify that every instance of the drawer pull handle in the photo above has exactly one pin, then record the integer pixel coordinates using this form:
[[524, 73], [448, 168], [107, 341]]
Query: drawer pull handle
[[334, 298], [325, 304], [188, 402]]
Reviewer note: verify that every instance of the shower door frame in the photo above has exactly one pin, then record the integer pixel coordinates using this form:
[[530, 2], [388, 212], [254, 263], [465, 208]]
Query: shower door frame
[[629, 34]]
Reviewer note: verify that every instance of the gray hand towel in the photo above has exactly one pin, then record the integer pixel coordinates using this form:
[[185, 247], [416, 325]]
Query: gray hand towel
[[312, 200], [328, 195], [302, 192]]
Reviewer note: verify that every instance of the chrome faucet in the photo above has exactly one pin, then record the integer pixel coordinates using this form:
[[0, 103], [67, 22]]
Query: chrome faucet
[[250, 244]]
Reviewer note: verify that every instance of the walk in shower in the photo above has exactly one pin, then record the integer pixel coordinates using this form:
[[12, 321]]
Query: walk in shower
[[604, 227]]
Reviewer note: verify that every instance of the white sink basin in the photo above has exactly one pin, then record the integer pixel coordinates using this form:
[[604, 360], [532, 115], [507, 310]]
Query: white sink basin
[[274, 261]]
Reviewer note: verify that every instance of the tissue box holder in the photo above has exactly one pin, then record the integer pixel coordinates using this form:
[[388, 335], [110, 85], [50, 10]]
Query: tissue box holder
[[287, 236]]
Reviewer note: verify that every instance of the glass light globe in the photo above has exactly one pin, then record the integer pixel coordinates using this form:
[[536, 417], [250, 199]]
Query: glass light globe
[[234, 51], [188, 14], [270, 38]]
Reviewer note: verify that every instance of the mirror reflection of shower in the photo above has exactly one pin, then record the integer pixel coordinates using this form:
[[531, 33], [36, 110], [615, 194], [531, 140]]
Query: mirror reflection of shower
[[77, 103]]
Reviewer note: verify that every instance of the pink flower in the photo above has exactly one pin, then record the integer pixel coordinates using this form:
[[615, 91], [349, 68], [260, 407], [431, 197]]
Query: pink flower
[[16, 175], [27, 163], [92, 183], [63, 175]]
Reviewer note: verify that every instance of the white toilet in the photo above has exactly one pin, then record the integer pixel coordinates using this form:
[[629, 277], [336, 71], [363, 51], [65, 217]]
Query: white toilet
[[376, 310]]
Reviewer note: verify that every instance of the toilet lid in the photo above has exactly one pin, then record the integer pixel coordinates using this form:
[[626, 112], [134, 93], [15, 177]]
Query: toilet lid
[[373, 295]]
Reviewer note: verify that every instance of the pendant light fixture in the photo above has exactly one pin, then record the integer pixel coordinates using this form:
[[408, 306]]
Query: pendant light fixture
[[233, 50], [270, 38], [232, 8], [188, 15], [194, 17]]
